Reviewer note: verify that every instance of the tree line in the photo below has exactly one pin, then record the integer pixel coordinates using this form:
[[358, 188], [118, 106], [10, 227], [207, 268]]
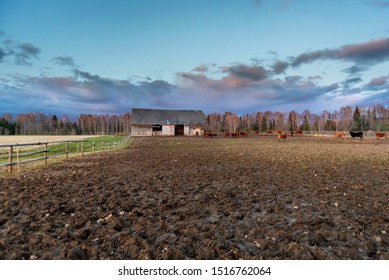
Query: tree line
[[85, 124], [374, 118]]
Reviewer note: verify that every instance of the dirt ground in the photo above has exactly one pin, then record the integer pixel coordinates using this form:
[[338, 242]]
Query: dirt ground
[[197, 198]]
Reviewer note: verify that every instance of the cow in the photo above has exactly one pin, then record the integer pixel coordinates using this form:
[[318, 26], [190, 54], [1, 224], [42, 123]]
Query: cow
[[227, 134], [339, 134], [256, 132], [279, 131], [234, 134], [244, 133], [282, 136], [269, 131], [378, 135], [209, 134], [356, 134], [298, 132]]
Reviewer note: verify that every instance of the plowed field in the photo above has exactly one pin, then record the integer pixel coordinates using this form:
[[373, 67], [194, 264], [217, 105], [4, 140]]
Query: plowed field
[[197, 198]]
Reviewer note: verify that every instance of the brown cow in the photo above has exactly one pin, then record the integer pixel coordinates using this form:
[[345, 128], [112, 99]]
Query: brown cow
[[298, 131], [378, 135], [339, 134], [244, 133], [282, 136], [269, 131], [209, 134]]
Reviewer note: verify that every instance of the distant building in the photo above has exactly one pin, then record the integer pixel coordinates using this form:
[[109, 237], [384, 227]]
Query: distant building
[[152, 122]]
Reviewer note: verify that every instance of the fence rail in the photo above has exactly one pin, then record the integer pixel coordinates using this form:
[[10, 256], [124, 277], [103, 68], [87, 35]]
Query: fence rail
[[12, 155]]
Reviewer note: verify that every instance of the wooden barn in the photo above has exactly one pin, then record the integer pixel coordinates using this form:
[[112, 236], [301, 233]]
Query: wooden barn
[[152, 122]]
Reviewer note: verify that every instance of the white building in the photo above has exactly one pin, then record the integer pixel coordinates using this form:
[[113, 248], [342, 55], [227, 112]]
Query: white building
[[152, 122]]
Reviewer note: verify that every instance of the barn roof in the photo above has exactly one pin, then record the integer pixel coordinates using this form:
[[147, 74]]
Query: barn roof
[[154, 116]]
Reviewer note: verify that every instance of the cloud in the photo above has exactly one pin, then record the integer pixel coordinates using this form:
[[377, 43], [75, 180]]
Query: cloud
[[193, 77], [87, 76], [279, 67], [201, 68], [378, 3], [353, 81], [246, 88], [25, 52], [84, 92], [2, 54], [355, 69], [293, 79], [367, 54], [22, 53], [237, 87], [252, 73], [312, 56], [64, 60], [379, 81]]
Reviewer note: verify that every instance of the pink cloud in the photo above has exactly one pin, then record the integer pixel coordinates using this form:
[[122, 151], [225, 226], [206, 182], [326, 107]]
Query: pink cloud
[[201, 68], [366, 50], [379, 81], [367, 53]]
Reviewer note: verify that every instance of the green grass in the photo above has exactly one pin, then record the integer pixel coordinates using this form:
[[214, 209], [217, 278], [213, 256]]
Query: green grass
[[59, 149]]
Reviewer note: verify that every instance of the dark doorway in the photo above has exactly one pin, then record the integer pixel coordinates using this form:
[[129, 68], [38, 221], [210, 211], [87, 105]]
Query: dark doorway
[[157, 127], [179, 130]]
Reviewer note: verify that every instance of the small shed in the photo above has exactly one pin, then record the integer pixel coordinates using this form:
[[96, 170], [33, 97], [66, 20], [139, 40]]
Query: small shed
[[155, 122]]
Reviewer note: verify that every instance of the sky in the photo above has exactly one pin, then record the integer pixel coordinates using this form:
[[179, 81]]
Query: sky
[[68, 57]]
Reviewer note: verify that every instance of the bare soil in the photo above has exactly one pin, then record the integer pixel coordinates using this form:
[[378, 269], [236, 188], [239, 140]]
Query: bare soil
[[197, 198]]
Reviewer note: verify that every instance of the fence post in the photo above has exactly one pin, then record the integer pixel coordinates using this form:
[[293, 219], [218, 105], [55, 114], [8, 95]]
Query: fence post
[[82, 148], [94, 146], [67, 150], [18, 159], [10, 151], [45, 153]]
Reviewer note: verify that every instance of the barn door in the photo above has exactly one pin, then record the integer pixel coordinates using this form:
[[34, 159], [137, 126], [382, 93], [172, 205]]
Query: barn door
[[179, 130]]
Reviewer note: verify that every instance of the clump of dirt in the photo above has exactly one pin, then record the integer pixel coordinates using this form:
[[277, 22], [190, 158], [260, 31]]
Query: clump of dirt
[[196, 198]]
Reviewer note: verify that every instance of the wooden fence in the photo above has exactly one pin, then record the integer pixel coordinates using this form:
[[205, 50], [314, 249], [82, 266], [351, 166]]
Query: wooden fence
[[14, 155]]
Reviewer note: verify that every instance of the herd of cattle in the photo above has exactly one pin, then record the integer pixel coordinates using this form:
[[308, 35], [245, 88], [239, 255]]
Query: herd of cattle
[[282, 135]]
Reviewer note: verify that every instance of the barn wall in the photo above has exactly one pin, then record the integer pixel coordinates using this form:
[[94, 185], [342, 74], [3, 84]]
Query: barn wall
[[137, 130], [195, 130], [167, 130]]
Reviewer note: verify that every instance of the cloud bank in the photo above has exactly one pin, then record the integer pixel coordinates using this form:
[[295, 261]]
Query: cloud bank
[[238, 87]]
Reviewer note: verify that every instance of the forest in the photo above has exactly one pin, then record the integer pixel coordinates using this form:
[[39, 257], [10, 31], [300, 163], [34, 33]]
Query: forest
[[85, 124], [375, 118]]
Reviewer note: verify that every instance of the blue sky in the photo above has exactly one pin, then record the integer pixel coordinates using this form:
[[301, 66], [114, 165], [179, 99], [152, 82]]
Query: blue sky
[[105, 57]]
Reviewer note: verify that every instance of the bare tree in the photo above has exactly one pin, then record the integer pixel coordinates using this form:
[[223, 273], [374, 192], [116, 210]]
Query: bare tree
[[279, 120], [214, 122], [346, 118], [232, 121], [258, 119]]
